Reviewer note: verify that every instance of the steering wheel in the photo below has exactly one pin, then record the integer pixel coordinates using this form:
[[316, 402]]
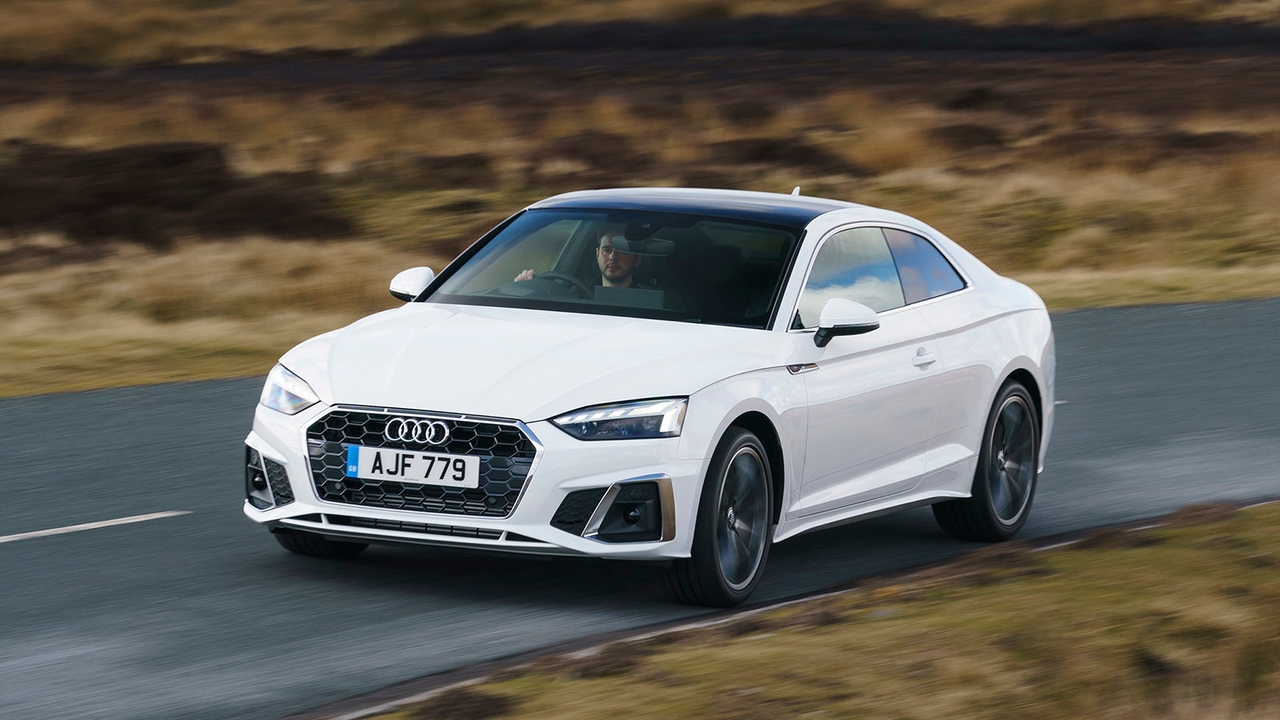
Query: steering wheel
[[572, 281]]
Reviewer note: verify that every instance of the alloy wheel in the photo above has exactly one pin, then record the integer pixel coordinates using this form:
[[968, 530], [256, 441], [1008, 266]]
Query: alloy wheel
[[743, 518], [1012, 458]]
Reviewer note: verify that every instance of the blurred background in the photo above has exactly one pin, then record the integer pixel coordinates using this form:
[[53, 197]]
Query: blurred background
[[188, 187]]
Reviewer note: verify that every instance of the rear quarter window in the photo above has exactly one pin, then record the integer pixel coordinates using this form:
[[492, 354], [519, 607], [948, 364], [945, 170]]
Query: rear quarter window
[[924, 272]]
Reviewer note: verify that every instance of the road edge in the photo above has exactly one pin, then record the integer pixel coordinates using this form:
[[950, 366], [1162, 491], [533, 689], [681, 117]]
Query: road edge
[[393, 697]]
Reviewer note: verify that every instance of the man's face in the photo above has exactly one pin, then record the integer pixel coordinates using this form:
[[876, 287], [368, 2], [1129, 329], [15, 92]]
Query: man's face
[[615, 267]]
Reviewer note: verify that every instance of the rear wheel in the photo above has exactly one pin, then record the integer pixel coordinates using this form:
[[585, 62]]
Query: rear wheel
[[1005, 482], [734, 528], [313, 545]]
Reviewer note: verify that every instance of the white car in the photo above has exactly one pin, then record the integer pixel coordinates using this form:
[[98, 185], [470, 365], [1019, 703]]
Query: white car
[[665, 374]]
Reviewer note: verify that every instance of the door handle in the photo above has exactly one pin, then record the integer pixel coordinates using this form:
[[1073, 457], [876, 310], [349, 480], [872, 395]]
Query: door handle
[[924, 359]]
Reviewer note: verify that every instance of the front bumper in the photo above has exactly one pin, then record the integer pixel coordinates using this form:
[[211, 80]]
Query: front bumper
[[563, 465]]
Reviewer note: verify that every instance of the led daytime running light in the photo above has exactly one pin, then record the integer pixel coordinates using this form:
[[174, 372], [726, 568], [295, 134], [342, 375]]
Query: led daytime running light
[[286, 392], [644, 419]]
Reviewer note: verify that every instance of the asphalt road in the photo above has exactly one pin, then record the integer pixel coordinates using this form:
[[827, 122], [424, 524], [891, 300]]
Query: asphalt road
[[203, 616]]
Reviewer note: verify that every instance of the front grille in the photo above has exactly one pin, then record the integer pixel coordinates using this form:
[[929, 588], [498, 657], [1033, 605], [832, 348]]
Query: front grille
[[278, 478], [413, 527], [576, 509], [506, 457]]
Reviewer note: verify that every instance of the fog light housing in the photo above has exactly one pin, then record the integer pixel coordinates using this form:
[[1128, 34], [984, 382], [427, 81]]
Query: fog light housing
[[256, 489], [633, 514]]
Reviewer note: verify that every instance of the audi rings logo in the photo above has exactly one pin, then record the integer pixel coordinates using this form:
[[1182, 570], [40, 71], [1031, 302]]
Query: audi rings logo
[[431, 432]]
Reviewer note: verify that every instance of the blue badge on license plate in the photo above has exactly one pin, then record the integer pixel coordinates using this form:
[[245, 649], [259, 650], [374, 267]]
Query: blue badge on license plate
[[353, 460]]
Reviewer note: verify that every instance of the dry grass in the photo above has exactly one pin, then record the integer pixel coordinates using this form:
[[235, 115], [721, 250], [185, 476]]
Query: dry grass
[[1119, 221], [996, 12], [130, 31], [1182, 622], [1089, 202], [1075, 289], [203, 311], [1116, 191]]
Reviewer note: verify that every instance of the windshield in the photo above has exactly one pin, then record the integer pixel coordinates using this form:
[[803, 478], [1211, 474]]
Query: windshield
[[632, 263]]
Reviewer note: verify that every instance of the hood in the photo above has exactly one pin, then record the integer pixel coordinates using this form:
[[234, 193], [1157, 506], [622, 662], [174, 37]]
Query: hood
[[520, 363]]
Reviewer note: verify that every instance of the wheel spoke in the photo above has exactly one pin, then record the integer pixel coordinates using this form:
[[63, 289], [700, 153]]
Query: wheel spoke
[[748, 505], [1013, 470], [745, 473], [732, 483], [1016, 416], [1013, 495], [1020, 445], [998, 491], [745, 559], [728, 553]]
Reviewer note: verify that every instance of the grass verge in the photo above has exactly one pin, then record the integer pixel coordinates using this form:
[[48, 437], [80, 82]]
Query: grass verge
[[200, 311], [111, 31], [1179, 621]]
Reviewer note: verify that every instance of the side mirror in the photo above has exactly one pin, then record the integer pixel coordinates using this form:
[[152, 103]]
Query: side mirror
[[409, 284], [843, 317]]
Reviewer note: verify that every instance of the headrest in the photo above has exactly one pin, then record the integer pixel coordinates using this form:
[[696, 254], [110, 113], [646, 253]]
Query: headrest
[[719, 263]]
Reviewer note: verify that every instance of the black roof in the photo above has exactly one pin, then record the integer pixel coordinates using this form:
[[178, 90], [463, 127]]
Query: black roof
[[773, 208]]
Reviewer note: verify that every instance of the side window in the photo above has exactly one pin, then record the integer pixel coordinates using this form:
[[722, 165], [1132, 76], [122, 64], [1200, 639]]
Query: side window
[[924, 271], [853, 264]]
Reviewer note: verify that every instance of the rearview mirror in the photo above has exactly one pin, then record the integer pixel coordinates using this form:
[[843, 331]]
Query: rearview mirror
[[648, 246], [409, 284], [844, 317]]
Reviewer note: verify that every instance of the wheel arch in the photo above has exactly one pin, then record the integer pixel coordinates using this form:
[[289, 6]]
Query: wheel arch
[[1040, 385], [760, 425], [1029, 381]]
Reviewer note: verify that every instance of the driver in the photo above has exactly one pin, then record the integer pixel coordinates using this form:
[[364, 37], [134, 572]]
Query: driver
[[617, 268]]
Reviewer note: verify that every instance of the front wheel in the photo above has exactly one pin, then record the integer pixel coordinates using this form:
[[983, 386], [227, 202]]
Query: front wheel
[[734, 527], [1005, 482], [313, 545]]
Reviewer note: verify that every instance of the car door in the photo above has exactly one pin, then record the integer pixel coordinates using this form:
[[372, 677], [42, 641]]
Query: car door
[[871, 413], [932, 284]]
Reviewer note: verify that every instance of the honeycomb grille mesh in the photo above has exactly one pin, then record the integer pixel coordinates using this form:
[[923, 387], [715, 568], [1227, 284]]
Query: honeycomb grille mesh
[[278, 478], [575, 510], [506, 456]]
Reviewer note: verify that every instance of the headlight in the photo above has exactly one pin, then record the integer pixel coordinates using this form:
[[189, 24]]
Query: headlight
[[644, 419], [287, 392]]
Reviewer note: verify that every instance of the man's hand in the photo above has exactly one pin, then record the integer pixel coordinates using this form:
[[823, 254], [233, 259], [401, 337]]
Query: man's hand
[[526, 275]]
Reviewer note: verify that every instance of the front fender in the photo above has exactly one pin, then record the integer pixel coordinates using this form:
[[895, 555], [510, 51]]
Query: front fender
[[773, 393]]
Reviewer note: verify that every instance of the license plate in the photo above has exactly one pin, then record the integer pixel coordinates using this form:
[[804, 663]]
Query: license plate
[[406, 466]]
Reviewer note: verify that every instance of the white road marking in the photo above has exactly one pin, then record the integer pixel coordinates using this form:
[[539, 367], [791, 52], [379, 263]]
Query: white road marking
[[93, 525], [1061, 402]]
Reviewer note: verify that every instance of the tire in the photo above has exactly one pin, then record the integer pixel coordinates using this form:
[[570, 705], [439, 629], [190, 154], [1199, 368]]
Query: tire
[[313, 545], [1004, 483], [727, 560]]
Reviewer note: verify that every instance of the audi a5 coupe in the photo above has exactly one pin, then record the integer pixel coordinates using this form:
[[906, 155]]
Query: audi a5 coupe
[[674, 375]]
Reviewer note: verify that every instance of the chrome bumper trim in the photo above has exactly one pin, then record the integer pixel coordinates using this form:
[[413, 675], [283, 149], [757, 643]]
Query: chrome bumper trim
[[395, 537], [666, 494]]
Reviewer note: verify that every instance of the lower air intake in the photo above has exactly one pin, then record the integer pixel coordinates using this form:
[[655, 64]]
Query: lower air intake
[[413, 527], [576, 509]]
